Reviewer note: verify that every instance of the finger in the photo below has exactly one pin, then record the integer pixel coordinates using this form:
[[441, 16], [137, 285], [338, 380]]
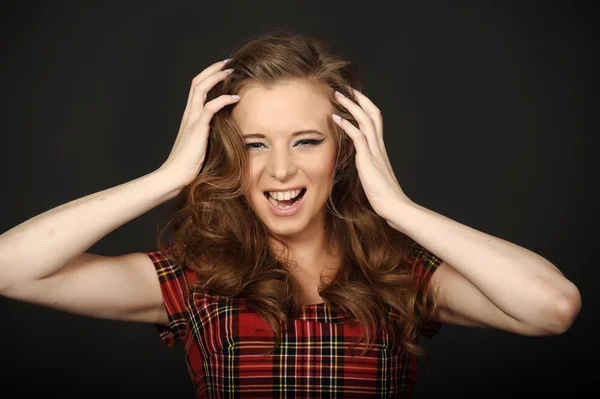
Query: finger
[[213, 106], [197, 79], [211, 70], [372, 110], [375, 114], [201, 90], [357, 136], [365, 122]]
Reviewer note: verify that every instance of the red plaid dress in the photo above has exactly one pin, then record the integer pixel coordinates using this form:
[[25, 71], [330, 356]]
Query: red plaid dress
[[225, 346]]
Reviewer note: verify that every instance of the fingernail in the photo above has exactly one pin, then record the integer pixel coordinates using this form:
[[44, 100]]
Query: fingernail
[[235, 97], [337, 93], [228, 70], [336, 117], [227, 59]]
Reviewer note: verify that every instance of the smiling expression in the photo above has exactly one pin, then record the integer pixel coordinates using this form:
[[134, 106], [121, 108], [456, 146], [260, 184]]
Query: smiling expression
[[287, 133]]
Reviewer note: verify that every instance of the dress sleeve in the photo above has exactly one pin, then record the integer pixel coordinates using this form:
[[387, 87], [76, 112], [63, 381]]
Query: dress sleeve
[[174, 288], [426, 263]]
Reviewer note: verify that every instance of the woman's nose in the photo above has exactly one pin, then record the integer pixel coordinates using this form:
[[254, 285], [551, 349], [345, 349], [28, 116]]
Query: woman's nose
[[281, 165]]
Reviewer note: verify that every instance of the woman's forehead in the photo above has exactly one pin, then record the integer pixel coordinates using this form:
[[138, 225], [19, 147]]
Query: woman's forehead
[[285, 107]]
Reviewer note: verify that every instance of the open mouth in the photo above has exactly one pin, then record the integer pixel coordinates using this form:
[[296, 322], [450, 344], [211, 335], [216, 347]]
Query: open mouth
[[285, 203]]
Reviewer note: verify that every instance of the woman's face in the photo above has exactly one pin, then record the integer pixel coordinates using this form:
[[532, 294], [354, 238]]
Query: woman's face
[[287, 133]]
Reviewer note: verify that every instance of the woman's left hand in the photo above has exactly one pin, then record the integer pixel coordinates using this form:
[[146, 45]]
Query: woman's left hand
[[374, 168]]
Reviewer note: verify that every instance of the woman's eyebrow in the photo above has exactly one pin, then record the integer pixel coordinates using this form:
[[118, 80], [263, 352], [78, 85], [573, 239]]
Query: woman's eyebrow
[[294, 134]]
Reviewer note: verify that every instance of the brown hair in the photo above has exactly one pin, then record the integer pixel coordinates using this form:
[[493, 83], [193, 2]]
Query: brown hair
[[234, 259]]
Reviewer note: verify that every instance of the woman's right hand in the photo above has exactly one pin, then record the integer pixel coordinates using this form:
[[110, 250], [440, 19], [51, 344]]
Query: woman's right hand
[[189, 150]]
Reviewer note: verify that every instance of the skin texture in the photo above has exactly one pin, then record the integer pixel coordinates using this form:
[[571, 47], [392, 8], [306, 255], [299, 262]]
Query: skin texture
[[280, 160]]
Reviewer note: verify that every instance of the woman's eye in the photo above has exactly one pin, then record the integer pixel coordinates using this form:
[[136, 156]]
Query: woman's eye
[[301, 143], [309, 142], [249, 146]]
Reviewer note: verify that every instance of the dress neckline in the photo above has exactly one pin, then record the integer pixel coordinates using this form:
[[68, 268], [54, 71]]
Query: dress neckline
[[320, 312]]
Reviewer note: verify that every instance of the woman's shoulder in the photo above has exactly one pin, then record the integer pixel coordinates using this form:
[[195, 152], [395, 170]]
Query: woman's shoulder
[[168, 269]]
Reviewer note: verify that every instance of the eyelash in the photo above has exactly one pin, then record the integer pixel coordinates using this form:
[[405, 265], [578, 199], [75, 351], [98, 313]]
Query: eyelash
[[309, 142]]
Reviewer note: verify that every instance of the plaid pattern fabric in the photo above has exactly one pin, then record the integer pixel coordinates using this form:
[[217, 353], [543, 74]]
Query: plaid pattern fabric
[[225, 345]]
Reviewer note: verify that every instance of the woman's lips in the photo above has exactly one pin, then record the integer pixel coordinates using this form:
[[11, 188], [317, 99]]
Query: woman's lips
[[295, 208], [266, 193]]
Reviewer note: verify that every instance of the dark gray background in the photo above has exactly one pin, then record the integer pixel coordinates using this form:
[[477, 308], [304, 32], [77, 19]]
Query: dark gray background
[[490, 119]]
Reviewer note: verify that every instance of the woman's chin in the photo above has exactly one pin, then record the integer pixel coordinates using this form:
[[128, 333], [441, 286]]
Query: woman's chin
[[284, 228]]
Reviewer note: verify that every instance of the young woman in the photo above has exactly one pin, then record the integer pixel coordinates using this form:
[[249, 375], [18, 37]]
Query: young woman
[[296, 265]]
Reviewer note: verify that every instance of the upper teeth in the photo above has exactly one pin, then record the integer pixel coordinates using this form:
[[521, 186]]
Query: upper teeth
[[284, 195]]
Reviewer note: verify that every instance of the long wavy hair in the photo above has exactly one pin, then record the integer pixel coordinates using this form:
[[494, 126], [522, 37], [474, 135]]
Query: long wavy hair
[[234, 258]]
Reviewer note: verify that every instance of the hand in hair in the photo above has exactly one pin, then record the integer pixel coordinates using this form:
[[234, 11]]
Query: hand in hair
[[374, 169], [189, 151]]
